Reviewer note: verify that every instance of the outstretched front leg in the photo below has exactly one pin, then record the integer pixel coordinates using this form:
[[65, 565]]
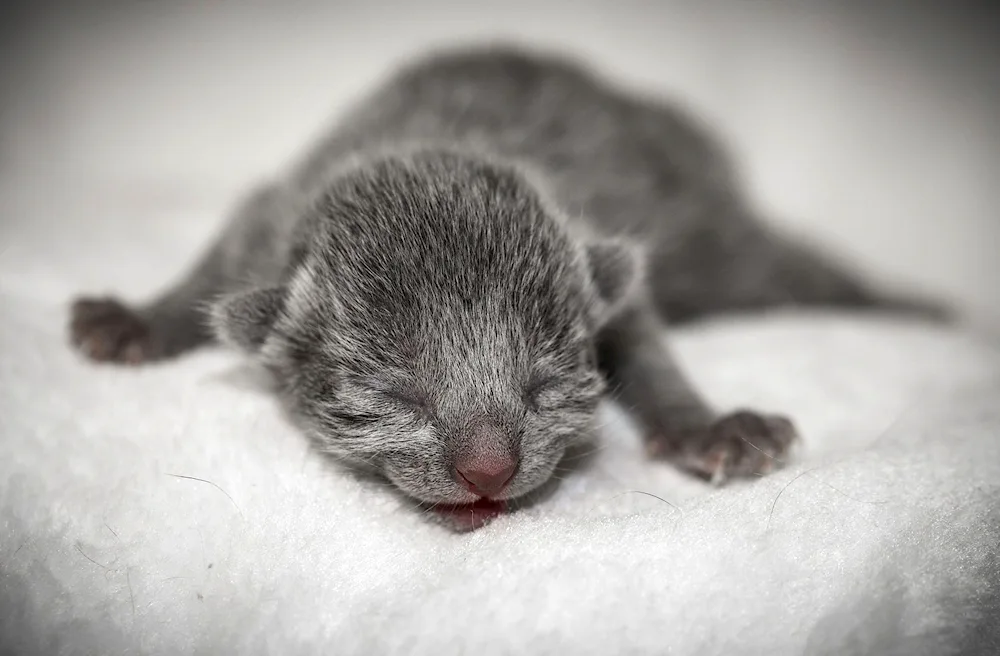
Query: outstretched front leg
[[676, 423], [106, 329]]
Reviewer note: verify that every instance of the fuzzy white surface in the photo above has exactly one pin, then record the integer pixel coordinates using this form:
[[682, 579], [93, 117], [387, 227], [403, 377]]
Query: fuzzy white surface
[[884, 535], [881, 537]]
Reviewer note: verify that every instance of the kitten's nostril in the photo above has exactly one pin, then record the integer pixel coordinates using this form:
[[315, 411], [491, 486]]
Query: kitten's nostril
[[486, 475]]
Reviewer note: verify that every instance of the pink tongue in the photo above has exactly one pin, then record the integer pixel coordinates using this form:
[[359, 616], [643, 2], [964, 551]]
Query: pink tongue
[[471, 516]]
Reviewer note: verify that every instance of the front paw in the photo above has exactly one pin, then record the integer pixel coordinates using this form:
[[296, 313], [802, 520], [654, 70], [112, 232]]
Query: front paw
[[738, 445], [107, 331]]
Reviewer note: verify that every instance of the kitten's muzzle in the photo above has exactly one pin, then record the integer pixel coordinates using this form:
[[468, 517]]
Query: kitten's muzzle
[[486, 464], [485, 474]]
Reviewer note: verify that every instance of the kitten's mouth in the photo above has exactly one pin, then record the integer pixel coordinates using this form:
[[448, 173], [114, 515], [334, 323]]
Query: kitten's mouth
[[470, 516]]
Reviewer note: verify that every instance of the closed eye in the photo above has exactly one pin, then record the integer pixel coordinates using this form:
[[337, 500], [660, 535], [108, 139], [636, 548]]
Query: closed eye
[[409, 398], [349, 418], [384, 396]]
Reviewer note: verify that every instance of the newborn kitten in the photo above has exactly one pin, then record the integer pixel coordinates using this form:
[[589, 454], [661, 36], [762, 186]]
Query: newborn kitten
[[445, 287]]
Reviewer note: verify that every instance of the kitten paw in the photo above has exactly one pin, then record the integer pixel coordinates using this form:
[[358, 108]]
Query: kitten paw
[[105, 330], [738, 445]]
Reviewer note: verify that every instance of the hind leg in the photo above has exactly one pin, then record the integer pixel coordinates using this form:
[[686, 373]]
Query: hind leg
[[732, 262], [677, 425]]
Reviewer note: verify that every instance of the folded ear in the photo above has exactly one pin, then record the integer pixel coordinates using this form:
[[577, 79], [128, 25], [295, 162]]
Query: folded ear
[[614, 271], [244, 319]]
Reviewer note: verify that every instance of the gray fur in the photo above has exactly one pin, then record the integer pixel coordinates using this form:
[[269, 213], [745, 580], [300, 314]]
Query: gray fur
[[491, 235]]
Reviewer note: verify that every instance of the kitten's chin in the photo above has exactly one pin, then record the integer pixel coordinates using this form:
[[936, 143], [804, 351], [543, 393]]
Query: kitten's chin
[[469, 516]]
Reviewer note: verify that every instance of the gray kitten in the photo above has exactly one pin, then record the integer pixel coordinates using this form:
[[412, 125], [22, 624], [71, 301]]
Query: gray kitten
[[445, 287]]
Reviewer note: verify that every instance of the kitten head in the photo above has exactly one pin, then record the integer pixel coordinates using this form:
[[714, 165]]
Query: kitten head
[[437, 325]]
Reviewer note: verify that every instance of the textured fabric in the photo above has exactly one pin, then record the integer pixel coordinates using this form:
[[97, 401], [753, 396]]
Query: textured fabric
[[884, 535]]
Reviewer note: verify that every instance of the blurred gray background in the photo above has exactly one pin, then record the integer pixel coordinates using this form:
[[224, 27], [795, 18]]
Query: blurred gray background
[[870, 125]]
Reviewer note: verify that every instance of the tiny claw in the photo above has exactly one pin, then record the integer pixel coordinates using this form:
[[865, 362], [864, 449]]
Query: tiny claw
[[717, 467]]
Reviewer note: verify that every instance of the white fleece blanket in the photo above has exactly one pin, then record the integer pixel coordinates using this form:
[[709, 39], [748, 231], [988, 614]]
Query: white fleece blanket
[[172, 510]]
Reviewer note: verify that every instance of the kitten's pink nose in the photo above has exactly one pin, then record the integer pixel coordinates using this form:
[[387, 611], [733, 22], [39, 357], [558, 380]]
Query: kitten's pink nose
[[485, 474]]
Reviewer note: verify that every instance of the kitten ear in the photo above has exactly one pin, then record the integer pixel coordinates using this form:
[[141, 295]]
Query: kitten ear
[[614, 267], [244, 319]]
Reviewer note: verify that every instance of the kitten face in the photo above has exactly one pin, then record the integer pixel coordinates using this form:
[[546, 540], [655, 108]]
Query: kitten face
[[438, 322], [410, 408]]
